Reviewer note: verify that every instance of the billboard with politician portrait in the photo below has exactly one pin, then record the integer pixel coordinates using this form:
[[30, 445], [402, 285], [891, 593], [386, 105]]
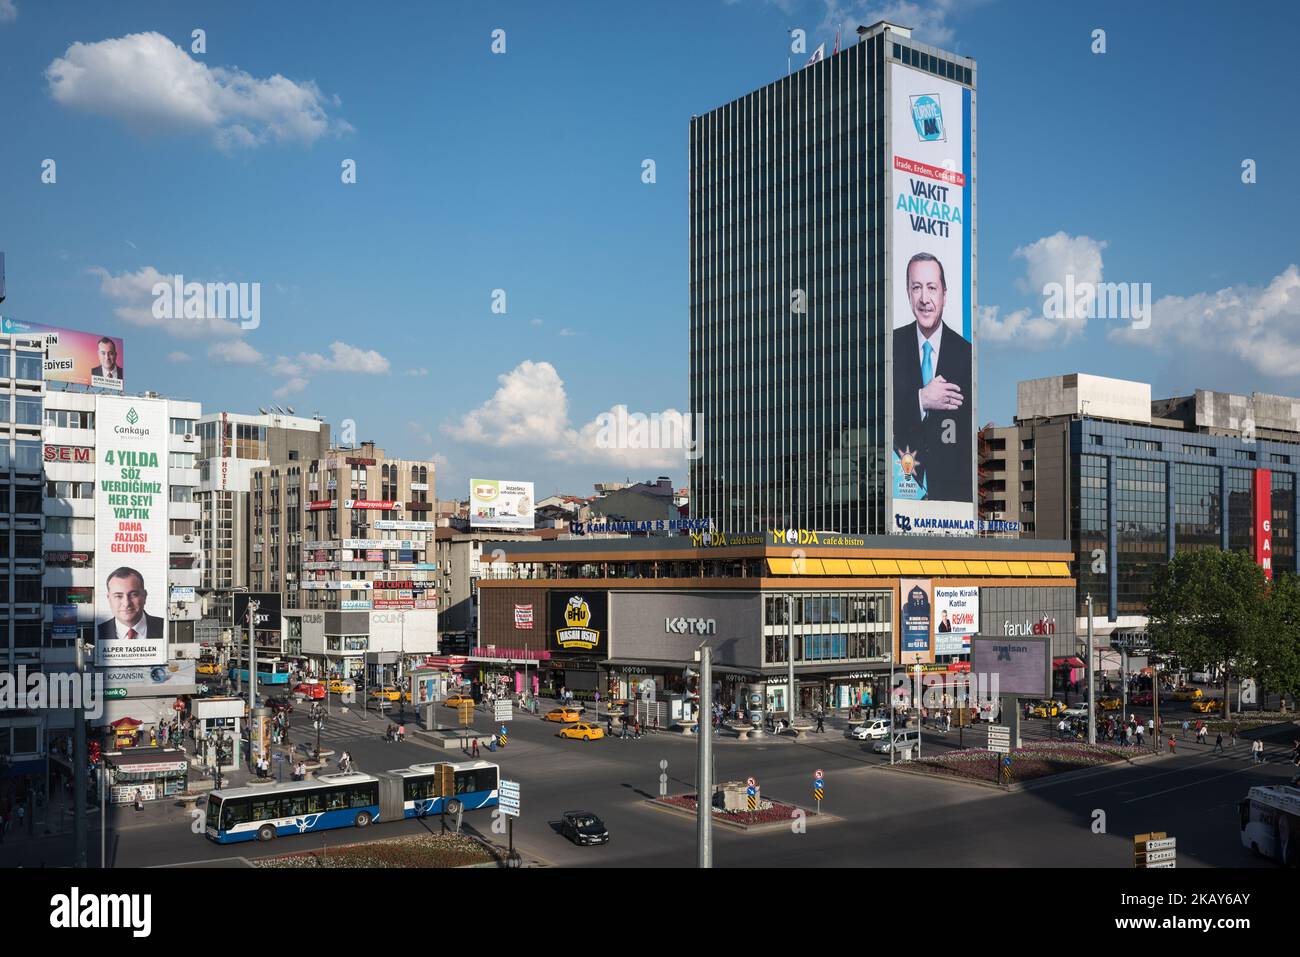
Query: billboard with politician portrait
[[931, 305], [84, 358], [131, 498]]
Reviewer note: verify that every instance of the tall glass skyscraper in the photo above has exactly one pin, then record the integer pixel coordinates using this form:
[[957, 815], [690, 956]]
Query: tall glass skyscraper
[[789, 321]]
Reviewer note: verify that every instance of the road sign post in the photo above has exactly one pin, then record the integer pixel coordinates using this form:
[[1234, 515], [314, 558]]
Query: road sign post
[[663, 777], [819, 788], [751, 794], [1155, 850]]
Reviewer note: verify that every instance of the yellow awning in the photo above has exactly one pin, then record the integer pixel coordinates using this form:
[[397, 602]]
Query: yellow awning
[[886, 566], [779, 566], [1040, 569], [1020, 568], [907, 566], [1060, 569], [933, 567], [977, 568], [862, 566], [954, 568], [1001, 568], [836, 566]]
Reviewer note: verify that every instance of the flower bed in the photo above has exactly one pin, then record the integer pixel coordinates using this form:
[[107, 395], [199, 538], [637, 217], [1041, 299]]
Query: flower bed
[[1249, 720], [426, 850], [1037, 759], [769, 812]]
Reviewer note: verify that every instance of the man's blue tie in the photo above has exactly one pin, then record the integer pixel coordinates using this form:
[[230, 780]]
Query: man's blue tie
[[927, 367]]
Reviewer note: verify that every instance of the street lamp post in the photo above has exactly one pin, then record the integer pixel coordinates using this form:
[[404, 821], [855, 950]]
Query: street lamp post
[[80, 760], [1092, 690], [253, 606], [703, 774]]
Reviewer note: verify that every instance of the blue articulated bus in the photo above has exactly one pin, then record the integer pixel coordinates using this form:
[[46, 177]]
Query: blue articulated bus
[[270, 671], [353, 799]]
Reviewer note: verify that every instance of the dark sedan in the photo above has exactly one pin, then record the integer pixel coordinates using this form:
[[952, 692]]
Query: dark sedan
[[583, 827]]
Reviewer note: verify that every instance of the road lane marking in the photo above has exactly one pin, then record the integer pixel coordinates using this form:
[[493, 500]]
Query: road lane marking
[[1190, 784]]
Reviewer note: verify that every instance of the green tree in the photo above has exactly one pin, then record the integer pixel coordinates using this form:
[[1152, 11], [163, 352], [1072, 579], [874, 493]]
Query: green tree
[[1277, 659], [1210, 607]]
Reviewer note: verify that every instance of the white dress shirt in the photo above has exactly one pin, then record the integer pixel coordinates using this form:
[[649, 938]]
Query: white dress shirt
[[935, 341], [140, 625]]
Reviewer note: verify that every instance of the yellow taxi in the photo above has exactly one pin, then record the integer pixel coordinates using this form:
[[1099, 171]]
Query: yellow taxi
[[1187, 693], [1110, 703], [1207, 705], [208, 668], [565, 715], [1049, 708], [587, 732], [387, 693], [457, 699], [339, 686]]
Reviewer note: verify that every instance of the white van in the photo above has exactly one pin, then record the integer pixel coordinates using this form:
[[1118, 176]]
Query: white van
[[906, 744], [871, 730]]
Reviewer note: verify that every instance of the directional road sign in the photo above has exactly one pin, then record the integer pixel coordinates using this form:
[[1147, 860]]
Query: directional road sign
[[504, 710], [508, 797]]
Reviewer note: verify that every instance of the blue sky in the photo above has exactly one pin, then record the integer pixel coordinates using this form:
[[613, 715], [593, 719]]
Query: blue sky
[[522, 172]]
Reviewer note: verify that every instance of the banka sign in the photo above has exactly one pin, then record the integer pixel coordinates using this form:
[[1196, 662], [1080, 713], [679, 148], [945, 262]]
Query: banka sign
[[690, 626]]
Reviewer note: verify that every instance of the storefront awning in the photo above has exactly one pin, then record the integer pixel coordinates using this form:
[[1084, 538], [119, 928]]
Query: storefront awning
[[1068, 663], [148, 761]]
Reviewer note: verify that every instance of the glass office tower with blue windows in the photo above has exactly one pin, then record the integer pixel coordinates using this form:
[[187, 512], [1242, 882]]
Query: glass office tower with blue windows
[[788, 317]]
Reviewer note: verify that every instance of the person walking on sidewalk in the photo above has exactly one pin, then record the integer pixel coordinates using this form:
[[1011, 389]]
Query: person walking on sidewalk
[[1171, 744], [1186, 727], [1218, 744], [821, 723], [1201, 733], [473, 751], [1257, 751]]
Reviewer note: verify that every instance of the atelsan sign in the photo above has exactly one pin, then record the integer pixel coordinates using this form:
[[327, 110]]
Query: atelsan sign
[[690, 626]]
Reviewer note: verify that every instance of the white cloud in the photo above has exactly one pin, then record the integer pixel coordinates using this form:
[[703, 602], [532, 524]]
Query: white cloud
[[419, 371], [133, 294], [178, 356], [153, 85], [1048, 260], [530, 408], [236, 351], [567, 332], [292, 385], [420, 432], [8, 11], [530, 411], [1259, 326], [534, 322]]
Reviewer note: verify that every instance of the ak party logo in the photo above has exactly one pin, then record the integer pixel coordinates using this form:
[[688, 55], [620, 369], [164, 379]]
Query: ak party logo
[[927, 116]]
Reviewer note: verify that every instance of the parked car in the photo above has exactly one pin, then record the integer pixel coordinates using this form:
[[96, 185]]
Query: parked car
[[1047, 708], [311, 690], [1187, 693], [386, 693], [869, 730], [583, 827], [1207, 705], [1110, 702], [340, 686], [1076, 711], [459, 698]]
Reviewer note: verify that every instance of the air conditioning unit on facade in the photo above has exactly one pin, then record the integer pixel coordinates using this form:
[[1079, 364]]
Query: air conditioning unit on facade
[[189, 436], [187, 539]]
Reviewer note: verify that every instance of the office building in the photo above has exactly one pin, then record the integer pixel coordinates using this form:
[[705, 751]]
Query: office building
[[348, 540], [1129, 481], [814, 202]]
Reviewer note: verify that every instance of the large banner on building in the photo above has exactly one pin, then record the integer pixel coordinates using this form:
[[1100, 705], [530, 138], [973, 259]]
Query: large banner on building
[[931, 274], [130, 531], [956, 619], [500, 504], [914, 622], [580, 620], [86, 358]]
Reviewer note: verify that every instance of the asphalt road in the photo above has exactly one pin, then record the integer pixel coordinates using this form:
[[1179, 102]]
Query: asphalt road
[[882, 817]]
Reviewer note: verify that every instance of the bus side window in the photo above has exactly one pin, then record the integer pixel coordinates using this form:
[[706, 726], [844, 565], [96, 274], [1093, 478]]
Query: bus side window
[[315, 803], [336, 799]]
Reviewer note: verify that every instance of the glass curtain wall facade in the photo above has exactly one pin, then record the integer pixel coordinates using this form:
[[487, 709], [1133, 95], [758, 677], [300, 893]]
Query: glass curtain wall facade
[[1136, 499], [787, 300]]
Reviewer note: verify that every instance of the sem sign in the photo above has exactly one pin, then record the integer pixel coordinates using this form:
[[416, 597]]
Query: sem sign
[[68, 453]]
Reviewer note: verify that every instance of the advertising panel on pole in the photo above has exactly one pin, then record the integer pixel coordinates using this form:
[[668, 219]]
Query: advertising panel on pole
[[83, 358], [131, 498], [956, 619], [1022, 666], [268, 611], [914, 623], [500, 504], [931, 272]]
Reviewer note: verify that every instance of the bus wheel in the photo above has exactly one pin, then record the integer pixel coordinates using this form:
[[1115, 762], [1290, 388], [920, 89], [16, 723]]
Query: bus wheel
[[363, 819], [265, 833]]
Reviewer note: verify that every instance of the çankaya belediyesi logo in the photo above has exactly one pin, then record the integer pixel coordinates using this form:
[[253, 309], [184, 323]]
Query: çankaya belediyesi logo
[[76, 910], [927, 116]]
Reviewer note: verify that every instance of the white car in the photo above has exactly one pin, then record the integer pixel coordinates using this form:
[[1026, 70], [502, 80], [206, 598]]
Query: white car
[[869, 730], [902, 742], [1076, 711]]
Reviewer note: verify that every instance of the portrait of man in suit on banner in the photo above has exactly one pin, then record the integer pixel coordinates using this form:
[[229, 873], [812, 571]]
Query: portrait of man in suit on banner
[[932, 389]]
